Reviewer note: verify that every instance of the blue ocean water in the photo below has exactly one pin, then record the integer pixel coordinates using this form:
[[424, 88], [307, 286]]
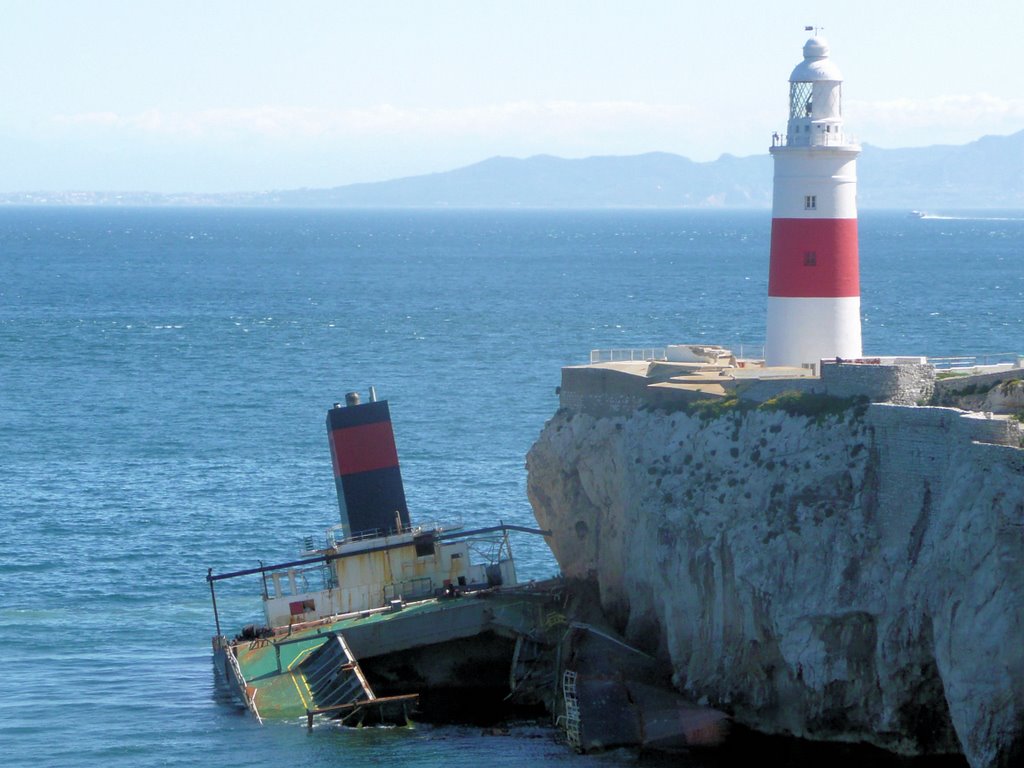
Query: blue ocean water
[[164, 375]]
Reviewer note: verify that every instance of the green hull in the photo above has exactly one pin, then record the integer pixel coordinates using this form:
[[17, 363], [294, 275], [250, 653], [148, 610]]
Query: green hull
[[441, 644]]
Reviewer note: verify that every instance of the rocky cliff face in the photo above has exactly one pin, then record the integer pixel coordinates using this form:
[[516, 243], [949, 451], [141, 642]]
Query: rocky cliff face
[[853, 573]]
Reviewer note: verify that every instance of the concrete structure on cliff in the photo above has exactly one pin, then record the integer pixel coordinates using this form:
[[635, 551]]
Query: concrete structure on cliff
[[836, 557], [829, 546], [813, 281]]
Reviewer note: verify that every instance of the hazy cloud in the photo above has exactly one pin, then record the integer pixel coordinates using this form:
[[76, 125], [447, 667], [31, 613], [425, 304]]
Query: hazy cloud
[[550, 118], [940, 112], [100, 119]]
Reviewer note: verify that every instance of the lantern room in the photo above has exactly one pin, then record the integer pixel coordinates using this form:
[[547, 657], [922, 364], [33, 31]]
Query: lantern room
[[815, 99]]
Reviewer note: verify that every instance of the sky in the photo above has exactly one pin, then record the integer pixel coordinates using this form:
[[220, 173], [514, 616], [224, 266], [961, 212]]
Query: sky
[[220, 95]]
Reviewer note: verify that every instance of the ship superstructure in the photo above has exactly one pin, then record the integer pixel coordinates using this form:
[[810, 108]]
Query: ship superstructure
[[376, 594]]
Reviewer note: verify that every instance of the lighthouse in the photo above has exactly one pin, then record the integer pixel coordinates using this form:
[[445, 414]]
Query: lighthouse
[[813, 276]]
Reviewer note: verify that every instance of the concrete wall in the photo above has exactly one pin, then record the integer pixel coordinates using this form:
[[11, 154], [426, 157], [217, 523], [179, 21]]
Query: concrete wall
[[982, 381], [601, 391], [618, 391], [605, 391], [986, 428], [904, 383]]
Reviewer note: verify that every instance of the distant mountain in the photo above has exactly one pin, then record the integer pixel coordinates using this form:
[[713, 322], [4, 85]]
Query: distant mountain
[[654, 180], [987, 173]]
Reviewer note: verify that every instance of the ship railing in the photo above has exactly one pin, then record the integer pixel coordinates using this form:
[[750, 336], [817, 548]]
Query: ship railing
[[977, 361], [409, 589], [570, 721], [491, 550], [243, 687], [322, 562], [263, 570], [626, 354], [212, 578], [336, 534], [291, 582]]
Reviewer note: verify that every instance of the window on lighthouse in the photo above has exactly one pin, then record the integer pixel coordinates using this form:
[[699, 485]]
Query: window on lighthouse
[[810, 202], [810, 258], [800, 99]]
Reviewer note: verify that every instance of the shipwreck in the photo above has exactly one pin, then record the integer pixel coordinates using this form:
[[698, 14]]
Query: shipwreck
[[381, 620]]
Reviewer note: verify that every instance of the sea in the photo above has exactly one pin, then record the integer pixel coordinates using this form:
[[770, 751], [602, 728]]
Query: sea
[[164, 379]]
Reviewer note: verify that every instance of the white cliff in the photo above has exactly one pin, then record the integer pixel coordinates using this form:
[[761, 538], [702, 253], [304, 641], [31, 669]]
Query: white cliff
[[856, 574]]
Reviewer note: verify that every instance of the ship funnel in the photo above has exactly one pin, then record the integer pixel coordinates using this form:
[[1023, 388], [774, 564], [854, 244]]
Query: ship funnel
[[371, 496]]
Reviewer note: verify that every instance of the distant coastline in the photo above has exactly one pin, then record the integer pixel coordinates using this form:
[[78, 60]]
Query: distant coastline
[[987, 174]]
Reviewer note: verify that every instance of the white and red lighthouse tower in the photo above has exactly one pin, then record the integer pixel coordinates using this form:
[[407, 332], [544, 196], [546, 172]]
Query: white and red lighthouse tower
[[813, 279]]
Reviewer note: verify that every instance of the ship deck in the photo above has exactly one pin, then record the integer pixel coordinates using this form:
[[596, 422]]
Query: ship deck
[[275, 678]]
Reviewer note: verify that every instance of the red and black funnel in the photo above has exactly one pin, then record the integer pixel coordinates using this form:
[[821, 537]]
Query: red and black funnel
[[371, 496]]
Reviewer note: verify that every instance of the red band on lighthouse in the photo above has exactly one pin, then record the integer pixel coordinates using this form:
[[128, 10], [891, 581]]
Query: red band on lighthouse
[[814, 258]]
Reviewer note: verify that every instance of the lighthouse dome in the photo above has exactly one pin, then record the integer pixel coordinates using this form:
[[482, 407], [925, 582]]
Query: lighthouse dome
[[816, 48], [816, 66]]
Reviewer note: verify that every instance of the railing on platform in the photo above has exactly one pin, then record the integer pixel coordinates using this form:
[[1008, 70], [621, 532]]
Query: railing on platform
[[743, 351], [626, 354], [746, 351], [977, 361], [818, 139], [749, 351]]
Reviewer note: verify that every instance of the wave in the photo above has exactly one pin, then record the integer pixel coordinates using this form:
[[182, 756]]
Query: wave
[[970, 218]]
